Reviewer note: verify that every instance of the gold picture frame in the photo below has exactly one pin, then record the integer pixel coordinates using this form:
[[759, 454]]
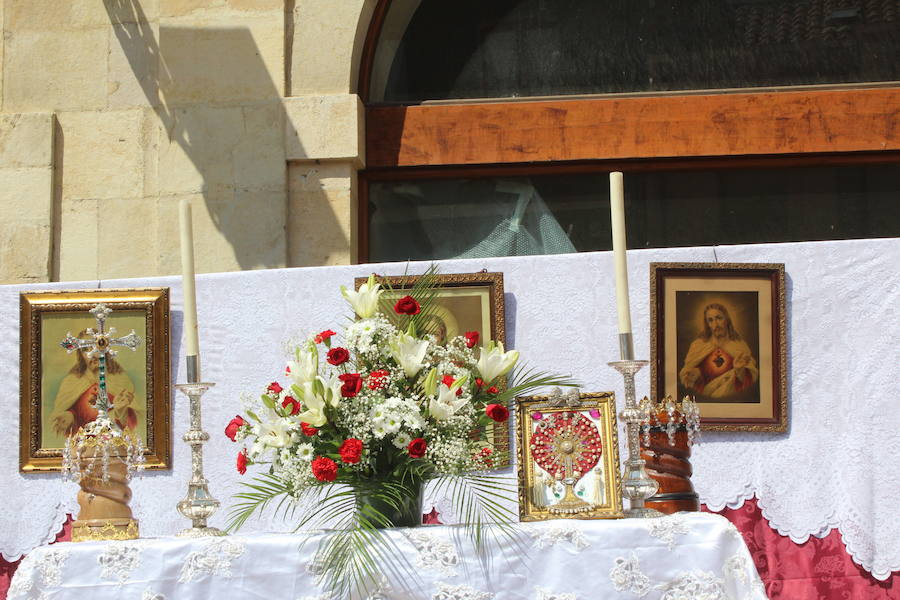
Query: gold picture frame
[[735, 366], [596, 495], [466, 302], [55, 387]]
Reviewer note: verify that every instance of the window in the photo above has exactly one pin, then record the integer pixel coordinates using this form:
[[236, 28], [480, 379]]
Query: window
[[751, 165]]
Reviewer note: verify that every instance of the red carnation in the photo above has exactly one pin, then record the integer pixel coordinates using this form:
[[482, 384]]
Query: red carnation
[[324, 469], [351, 450], [407, 305], [242, 462], [292, 402], [308, 430], [417, 448], [352, 384], [232, 428], [376, 379], [323, 336], [337, 356], [497, 412], [274, 388], [472, 338]]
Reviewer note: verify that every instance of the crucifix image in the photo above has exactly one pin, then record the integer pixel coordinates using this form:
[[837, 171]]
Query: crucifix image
[[100, 345]]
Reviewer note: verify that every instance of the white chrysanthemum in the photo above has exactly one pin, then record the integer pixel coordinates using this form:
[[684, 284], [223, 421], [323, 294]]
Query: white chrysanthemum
[[402, 440], [378, 429], [306, 452]]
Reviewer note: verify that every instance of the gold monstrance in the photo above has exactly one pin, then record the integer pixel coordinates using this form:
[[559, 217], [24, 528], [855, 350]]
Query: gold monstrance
[[566, 445]]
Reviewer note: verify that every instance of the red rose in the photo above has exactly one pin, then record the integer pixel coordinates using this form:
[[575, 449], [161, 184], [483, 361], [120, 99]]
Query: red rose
[[350, 450], [407, 305], [417, 448], [308, 430], [292, 402], [242, 462], [492, 390], [352, 384], [337, 356], [479, 382], [472, 338], [232, 428], [497, 412], [323, 336], [274, 388], [324, 469]]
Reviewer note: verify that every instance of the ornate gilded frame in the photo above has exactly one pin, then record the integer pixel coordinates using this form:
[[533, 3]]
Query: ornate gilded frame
[[604, 402], [154, 304], [492, 285], [725, 277]]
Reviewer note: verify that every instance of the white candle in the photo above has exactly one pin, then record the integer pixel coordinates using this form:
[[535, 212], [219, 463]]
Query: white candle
[[617, 216], [191, 342]]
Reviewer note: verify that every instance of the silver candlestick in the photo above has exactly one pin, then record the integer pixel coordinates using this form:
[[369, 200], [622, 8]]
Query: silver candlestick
[[199, 504], [637, 486]]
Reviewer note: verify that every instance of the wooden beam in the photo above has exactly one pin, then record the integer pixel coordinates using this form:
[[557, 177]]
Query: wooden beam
[[772, 123]]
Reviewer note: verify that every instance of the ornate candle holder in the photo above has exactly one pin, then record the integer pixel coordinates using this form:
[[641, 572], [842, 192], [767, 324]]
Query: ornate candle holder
[[199, 504], [637, 486]]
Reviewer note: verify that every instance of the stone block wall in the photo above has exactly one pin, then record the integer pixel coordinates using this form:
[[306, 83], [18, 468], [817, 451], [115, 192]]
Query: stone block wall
[[111, 111]]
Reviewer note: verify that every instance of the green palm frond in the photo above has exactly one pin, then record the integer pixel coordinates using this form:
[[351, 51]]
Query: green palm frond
[[425, 291]]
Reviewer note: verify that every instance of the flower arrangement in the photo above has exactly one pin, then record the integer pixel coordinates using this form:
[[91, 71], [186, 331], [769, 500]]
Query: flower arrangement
[[361, 420]]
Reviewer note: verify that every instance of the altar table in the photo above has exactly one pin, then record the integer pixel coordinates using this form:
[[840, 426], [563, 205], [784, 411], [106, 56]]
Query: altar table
[[688, 556]]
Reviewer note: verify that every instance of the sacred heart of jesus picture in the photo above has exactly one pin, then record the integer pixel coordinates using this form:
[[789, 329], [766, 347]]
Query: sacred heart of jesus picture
[[61, 378]]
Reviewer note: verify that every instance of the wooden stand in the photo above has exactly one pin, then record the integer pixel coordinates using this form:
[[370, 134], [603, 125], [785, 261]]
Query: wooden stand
[[670, 465], [104, 512]]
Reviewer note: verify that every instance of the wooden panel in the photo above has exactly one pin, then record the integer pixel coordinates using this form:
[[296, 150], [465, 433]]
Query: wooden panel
[[774, 123]]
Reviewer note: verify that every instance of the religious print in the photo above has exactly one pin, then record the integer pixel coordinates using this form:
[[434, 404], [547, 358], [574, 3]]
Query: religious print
[[63, 377], [466, 304], [718, 336], [568, 461]]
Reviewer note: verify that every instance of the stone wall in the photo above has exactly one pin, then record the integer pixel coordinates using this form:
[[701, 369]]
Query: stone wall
[[111, 111]]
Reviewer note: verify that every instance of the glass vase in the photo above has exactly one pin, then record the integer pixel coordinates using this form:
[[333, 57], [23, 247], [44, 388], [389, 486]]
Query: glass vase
[[400, 502]]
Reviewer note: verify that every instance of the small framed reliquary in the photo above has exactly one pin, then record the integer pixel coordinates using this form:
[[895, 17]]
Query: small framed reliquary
[[568, 457]]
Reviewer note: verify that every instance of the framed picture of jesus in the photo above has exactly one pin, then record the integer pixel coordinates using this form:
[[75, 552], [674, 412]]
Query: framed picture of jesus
[[718, 334], [59, 388]]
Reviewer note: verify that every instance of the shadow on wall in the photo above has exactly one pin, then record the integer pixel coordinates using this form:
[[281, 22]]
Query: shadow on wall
[[223, 115]]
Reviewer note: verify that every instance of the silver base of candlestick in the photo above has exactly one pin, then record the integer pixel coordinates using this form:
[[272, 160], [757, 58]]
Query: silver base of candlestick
[[199, 504], [637, 486]]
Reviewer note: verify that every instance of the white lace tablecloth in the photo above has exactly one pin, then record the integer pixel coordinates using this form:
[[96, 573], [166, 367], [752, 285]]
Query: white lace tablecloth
[[682, 557], [832, 469]]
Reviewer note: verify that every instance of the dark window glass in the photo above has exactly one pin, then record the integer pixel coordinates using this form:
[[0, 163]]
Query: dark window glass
[[553, 214], [508, 48]]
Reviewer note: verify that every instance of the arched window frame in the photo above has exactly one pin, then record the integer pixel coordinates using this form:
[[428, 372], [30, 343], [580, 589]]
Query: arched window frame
[[721, 129]]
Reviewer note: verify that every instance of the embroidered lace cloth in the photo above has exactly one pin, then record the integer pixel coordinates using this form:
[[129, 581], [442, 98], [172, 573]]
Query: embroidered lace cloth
[[558, 560], [828, 471]]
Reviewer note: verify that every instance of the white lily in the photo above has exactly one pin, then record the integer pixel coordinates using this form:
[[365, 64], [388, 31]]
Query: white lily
[[365, 300], [494, 362], [314, 396], [274, 433], [409, 352], [446, 404], [306, 367]]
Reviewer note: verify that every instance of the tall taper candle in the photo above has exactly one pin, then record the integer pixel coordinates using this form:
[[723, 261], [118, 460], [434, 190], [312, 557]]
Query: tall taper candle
[[191, 341], [617, 217]]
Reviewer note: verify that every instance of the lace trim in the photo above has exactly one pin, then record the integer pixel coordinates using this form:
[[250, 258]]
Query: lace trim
[[434, 552], [214, 559], [151, 595], [626, 576], [47, 567], [557, 534], [666, 528], [544, 594], [696, 585], [118, 561], [460, 592]]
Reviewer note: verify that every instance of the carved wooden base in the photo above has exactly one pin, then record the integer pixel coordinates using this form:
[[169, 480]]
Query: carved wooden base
[[670, 465], [90, 530]]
